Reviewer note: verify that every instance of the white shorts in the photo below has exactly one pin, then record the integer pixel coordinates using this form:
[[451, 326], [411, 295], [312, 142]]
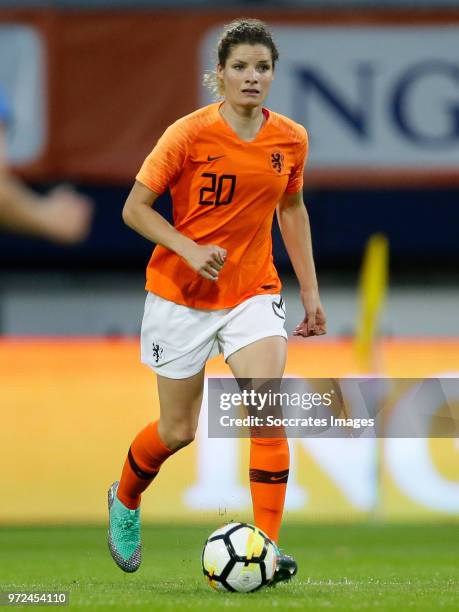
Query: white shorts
[[176, 341]]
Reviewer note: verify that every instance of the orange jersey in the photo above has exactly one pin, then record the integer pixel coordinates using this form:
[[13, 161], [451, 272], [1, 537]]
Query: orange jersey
[[224, 192]]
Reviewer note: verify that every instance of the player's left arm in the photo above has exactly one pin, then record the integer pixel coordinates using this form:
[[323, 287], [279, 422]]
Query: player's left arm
[[296, 233]]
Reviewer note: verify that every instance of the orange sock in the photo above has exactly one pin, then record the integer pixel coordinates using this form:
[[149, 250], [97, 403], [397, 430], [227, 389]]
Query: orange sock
[[145, 456], [269, 466]]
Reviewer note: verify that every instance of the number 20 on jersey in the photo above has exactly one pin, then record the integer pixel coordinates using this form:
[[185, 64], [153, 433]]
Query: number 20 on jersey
[[218, 191]]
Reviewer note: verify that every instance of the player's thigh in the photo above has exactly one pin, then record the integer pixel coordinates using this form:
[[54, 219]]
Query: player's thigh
[[264, 361], [180, 403], [264, 358]]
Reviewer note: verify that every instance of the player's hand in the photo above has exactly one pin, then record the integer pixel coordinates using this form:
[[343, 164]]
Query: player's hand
[[65, 216], [315, 321], [207, 260]]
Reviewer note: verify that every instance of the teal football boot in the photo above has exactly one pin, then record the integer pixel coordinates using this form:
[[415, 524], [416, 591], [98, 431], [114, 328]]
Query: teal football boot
[[123, 533]]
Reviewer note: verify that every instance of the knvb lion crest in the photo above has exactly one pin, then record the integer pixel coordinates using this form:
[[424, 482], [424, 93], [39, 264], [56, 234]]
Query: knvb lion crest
[[277, 161], [157, 351]]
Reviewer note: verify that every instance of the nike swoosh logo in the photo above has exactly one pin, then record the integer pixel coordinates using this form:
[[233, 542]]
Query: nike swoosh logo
[[274, 478], [279, 308], [212, 158]]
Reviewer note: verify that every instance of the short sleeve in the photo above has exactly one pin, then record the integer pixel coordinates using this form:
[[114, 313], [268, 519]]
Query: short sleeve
[[165, 162], [295, 181], [5, 109]]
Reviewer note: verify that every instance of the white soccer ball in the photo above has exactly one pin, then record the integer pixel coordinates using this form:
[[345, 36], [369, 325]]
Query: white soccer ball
[[238, 557]]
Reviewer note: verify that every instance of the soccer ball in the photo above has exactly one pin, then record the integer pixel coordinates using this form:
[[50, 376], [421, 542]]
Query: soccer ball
[[238, 557]]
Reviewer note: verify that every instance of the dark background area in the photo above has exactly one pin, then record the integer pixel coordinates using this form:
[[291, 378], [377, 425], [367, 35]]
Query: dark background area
[[422, 227]]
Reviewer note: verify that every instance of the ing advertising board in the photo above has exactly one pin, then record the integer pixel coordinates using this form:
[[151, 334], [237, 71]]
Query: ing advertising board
[[378, 92], [375, 100]]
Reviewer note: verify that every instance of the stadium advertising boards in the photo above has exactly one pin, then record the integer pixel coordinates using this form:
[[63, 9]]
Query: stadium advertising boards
[[378, 102], [78, 401], [378, 93]]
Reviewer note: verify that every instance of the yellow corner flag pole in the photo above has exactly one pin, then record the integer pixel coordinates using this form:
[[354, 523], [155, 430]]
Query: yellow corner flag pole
[[372, 292]]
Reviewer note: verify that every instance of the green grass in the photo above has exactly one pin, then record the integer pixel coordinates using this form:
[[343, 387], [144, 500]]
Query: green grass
[[347, 567]]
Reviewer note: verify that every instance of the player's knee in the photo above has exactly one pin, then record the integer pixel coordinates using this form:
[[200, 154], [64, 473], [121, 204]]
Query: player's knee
[[180, 437]]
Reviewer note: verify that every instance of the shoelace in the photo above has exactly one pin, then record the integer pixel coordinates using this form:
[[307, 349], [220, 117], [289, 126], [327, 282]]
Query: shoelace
[[126, 525]]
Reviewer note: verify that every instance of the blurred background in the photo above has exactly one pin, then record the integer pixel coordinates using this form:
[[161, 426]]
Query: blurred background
[[86, 88]]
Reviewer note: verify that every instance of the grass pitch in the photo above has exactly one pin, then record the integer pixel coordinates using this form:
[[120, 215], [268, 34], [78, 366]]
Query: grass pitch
[[346, 567]]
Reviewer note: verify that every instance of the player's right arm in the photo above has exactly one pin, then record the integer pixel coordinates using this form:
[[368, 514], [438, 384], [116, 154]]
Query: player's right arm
[[62, 216], [139, 215]]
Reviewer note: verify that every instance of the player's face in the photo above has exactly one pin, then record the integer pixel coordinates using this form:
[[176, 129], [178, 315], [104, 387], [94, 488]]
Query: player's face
[[247, 75]]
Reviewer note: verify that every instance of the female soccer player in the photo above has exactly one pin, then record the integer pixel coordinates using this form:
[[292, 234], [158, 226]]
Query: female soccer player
[[211, 280]]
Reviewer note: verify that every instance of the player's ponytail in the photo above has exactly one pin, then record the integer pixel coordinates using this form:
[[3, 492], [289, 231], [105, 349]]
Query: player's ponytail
[[239, 31]]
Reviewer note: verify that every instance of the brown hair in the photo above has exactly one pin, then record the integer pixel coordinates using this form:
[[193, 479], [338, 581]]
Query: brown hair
[[239, 31]]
